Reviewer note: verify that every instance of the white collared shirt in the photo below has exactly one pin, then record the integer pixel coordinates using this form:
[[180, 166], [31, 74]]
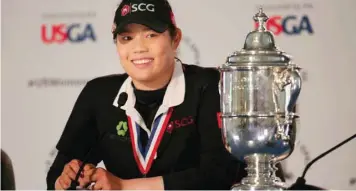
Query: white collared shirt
[[174, 96]]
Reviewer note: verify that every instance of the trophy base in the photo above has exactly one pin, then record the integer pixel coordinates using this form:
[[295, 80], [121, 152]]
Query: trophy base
[[241, 187], [261, 174]]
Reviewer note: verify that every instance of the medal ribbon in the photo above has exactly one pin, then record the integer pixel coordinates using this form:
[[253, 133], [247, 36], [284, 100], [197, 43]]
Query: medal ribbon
[[144, 156]]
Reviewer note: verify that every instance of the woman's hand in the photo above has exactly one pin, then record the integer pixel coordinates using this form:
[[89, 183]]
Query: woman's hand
[[104, 180], [70, 171]]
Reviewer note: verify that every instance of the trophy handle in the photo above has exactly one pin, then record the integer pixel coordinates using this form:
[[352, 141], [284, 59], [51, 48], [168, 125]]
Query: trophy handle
[[295, 81], [289, 76]]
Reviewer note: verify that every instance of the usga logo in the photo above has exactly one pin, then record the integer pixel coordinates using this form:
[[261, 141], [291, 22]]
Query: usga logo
[[137, 7]]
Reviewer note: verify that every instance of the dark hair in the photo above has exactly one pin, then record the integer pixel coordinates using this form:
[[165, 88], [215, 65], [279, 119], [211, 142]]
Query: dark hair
[[7, 172], [172, 31]]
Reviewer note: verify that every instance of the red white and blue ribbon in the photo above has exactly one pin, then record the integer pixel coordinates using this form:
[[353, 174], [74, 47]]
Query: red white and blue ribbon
[[144, 156]]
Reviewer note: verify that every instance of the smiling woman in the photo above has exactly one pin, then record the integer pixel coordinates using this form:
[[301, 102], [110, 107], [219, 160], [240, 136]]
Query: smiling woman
[[172, 139], [147, 55]]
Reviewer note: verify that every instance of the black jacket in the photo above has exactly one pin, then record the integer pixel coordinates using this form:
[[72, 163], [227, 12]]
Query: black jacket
[[190, 155]]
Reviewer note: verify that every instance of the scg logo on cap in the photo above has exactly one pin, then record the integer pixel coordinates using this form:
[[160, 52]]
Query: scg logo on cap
[[137, 7], [143, 7]]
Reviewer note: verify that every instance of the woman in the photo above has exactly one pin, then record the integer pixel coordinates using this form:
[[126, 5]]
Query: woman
[[154, 127]]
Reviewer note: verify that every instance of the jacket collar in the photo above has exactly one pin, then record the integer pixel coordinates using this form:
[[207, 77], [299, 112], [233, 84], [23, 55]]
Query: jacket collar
[[174, 94]]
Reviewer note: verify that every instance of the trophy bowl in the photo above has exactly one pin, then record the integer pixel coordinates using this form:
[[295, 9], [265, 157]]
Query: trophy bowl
[[259, 87]]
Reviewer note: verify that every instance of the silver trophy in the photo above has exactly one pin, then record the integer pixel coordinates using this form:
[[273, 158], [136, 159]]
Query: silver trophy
[[259, 87]]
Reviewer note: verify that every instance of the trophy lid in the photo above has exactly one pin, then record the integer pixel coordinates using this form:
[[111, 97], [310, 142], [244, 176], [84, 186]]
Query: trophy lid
[[259, 48]]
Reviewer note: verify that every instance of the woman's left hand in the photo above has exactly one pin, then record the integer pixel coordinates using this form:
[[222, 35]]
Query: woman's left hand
[[104, 180]]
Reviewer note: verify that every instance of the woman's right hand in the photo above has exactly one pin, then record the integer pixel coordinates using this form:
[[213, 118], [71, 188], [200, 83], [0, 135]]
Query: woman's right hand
[[68, 175]]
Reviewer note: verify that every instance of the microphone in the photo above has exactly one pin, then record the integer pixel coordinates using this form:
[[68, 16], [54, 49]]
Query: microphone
[[122, 99], [74, 184], [300, 183]]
